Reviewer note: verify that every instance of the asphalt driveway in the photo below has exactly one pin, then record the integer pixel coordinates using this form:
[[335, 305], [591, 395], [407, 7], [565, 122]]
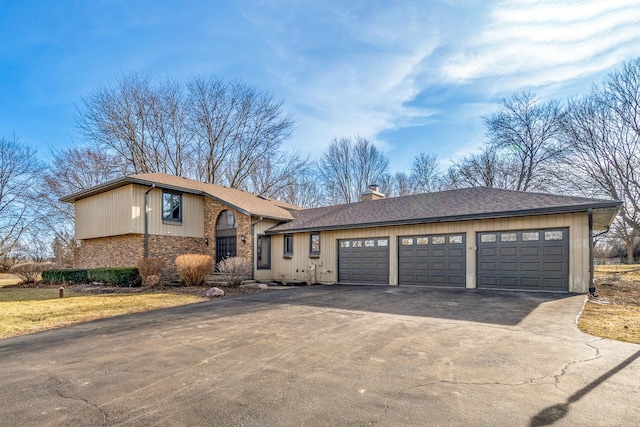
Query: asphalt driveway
[[327, 355]]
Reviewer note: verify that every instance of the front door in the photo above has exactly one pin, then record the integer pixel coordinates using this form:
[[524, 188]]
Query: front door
[[225, 248], [225, 236]]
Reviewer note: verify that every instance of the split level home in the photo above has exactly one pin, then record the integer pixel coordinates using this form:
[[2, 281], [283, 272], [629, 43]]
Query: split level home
[[478, 237]]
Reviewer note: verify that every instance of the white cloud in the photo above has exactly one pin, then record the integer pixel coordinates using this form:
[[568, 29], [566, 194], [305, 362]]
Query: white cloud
[[537, 43]]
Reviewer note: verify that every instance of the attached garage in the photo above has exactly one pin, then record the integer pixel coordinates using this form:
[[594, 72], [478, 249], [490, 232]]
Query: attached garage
[[432, 260], [363, 261], [524, 259]]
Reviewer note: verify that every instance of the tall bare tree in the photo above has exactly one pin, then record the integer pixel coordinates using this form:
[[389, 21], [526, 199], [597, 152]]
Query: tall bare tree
[[19, 170], [601, 130], [348, 166], [210, 129], [529, 131]]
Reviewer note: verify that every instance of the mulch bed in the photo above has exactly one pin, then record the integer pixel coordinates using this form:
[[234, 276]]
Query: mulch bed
[[621, 288]]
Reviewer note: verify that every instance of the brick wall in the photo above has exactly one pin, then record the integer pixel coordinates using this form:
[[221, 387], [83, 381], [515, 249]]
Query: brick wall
[[212, 210], [124, 251]]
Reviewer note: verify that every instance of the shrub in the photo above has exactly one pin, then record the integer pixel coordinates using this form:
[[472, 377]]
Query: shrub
[[150, 270], [65, 276], [117, 276], [194, 268], [28, 272], [235, 270]]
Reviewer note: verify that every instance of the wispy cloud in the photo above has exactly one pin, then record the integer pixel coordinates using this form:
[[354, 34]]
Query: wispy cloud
[[533, 43]]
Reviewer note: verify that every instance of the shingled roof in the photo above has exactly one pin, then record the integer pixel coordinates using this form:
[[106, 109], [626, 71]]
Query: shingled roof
[[445, 206], [245, 202]]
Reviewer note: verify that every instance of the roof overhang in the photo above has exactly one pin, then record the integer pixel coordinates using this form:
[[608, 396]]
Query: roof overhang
[[603, 215], [121, 182]]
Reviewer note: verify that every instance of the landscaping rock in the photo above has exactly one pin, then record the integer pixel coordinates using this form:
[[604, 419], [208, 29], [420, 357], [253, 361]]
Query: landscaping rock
[[214, 292], [262, 286]]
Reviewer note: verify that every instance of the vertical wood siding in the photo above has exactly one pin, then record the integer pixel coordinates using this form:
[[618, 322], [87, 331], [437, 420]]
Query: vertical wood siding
[[298, 266], [121, 211]]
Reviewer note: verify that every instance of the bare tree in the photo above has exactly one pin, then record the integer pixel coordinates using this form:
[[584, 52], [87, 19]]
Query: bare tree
[[425, 173], [397, 184], [19, 170], [489, 168], [209, 129], [530, 132], [347, 167], [605, 151]]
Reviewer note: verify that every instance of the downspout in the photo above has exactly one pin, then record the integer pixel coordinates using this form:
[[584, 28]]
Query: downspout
[[146, 220], [253, 246], [592, 288]]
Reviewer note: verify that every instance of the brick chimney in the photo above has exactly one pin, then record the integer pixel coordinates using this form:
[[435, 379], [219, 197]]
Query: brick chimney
[[371, 193]]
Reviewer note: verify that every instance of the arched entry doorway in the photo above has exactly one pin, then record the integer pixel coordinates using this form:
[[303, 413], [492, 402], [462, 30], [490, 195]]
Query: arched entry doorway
[[225, 236]]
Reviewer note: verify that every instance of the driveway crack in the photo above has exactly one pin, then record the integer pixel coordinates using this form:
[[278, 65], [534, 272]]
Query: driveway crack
[[64, 396], [566, 367]]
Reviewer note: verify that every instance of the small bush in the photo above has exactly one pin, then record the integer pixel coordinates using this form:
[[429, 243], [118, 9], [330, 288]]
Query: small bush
[[76, 276], [194, 268], [235, 270], [150, 270], [117, 276], [28, 272]]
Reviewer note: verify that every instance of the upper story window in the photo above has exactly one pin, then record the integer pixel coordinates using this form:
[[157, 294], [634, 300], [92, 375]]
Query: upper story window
[[288, 245], [171, 206], [314, 245]]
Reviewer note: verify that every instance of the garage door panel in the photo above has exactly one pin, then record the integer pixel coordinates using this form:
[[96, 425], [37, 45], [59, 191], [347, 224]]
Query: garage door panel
[[363, 261], [523, 259], [432, 260], [530, 251], [508, 251]]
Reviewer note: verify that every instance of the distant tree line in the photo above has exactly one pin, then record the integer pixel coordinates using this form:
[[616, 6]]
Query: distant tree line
[[229, 133]]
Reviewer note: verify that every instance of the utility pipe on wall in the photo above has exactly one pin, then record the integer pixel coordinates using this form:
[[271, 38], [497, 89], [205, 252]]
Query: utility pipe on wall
[[146, 220]]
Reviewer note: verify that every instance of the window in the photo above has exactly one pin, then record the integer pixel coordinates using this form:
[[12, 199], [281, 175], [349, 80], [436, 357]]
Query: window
[[369, 243], [530, 236], [438, 240], [288, 245], [487, 238], [508, 237], [171, 206], [263, 252], [455, 240], [553, 235], [314, 245], [383, 242], [356, 243], [422, 240], [406, 241]]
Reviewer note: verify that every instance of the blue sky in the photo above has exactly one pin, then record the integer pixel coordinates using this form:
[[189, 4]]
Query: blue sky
[[412, 76]]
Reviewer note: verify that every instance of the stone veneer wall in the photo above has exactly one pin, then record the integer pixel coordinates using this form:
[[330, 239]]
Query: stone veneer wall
[[124, 251], [212, 210]]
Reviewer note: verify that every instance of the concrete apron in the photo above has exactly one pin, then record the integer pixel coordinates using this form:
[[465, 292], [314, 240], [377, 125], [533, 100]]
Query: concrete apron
[[326, 355]]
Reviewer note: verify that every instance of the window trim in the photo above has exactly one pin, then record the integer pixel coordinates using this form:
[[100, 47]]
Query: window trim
[[312, 253], [181, 206], [287, 253], [259, 246]]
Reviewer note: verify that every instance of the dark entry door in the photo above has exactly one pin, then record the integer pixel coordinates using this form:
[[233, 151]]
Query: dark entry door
[[225, 247]]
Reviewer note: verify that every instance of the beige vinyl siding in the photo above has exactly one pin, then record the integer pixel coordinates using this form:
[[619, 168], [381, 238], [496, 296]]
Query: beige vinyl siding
[[192, 224], [297, 268], [105, 214], [259, 227], [121, 211]]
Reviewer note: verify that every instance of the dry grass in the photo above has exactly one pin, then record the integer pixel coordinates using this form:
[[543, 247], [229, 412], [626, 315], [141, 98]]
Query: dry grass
[[24, 311], [615, 313], [7, 279]]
